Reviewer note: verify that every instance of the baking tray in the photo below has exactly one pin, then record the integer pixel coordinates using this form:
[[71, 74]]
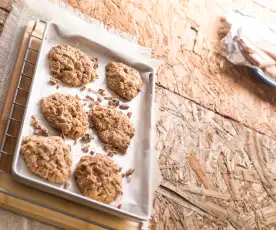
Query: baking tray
[[136, 201]]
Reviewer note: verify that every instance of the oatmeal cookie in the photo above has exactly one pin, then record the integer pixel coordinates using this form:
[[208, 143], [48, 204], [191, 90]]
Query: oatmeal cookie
[[47, 157], [72, 66], [98, 177], [124, 80], [65, 113], [114, 128]]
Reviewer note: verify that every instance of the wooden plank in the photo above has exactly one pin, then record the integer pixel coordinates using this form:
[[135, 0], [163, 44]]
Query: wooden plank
[[42, 214], [54, 217]]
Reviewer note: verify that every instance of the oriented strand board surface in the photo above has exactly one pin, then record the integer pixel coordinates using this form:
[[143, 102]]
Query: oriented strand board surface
[[184, 34], [218, 174]]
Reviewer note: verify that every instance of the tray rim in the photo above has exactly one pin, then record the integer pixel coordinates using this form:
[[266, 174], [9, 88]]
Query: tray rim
[[68, 194]]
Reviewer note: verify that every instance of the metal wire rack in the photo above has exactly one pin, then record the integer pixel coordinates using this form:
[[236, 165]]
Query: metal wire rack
[[19, 101]]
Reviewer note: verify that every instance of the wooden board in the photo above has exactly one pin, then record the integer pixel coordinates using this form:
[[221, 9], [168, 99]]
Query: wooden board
[[218, 174], [67, 210]]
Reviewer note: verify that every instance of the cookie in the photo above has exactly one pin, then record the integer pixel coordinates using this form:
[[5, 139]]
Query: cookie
[[65, 113], [113, 127], [72, 66], [124, 80], [98, 177], [47, 157]]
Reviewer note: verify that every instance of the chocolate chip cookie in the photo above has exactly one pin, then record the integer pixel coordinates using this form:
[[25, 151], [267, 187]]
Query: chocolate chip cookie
[[98, 177], [47, 157], [124, 80], [72, 66], [113, 127], [65, 113]]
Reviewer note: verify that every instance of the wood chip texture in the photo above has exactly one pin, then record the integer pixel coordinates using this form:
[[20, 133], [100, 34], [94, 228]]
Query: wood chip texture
[[218, 174]]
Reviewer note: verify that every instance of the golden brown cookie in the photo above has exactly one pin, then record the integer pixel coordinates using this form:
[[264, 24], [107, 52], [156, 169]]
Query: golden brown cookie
[[72, 66], [124, 80], [113, 127], [99, 178], [47, 157], [65, 113]]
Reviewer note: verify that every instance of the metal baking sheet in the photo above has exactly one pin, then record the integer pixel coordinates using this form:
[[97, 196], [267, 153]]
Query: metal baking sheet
[[136, 198]]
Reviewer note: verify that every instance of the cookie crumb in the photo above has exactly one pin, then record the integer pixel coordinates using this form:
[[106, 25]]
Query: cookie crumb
[[128, 172], [119, 206], [70, 148], [101, 91], [124, 106], [89, 98], [52, 81], [95, 60], [92, 152], [38, 128], [57, 86], [85, 149], [110, 154], [62, 136], [66, 185], [99, 99], [77, 97], [92, 91], [87, 137], [108, 98], [83, 88], [114, 102], [129, 114]]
